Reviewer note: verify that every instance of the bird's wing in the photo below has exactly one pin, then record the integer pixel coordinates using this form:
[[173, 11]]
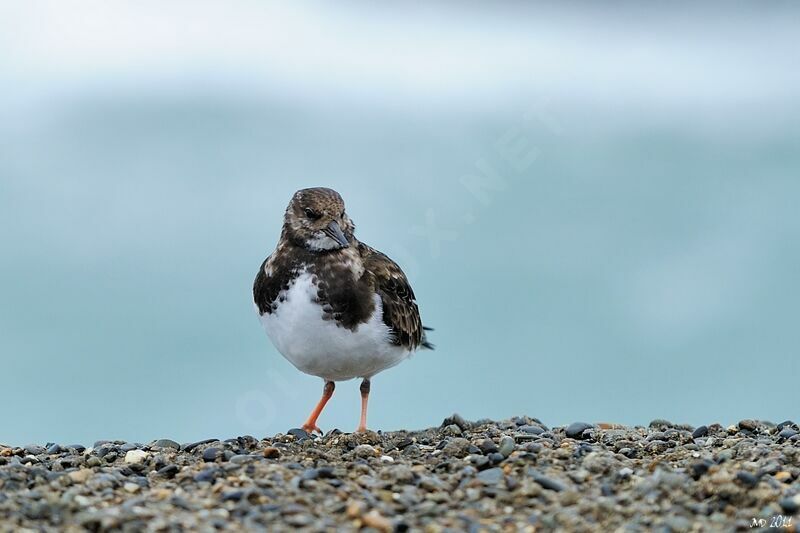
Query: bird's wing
[[400, 311]]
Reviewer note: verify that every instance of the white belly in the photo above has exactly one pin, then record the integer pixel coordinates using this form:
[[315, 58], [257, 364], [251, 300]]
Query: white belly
[[320, 347]]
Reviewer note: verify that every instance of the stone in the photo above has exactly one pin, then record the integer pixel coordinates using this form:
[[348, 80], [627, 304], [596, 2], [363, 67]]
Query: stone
[[748, 425], [492, 476], [576, 429], [271, 452], [547, 483], [790, 505], [507, 445], [487, 446], [135, 457], [166, 443], [457, 420], [365, 451], [299, 434], [211, 454], [375, 520], [531, 430], [747, 479], [700, 432]]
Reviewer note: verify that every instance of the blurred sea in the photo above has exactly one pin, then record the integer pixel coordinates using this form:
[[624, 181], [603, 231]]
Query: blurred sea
[[598, 209]]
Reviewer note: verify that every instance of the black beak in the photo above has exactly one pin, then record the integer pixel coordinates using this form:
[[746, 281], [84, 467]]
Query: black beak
[[335, 232]]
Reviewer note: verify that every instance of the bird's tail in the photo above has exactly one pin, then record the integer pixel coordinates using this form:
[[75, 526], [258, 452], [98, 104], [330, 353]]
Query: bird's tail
[[425, 343]]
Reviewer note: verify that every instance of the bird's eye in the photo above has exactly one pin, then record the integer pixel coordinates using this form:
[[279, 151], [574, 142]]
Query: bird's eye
[[313, 215]]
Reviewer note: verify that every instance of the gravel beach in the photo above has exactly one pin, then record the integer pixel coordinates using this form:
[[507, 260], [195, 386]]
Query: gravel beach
[[513, 475]]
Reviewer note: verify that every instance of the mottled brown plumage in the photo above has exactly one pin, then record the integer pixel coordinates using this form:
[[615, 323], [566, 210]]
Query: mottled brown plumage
[[346, 299]]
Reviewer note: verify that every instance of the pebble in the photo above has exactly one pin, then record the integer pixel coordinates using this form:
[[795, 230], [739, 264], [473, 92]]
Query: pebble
[[211, 454], [487, 446], [456, 420], [748, 425], [166, 443], [790, 505], [34, 449], [787, 433], [135, 457], [576, 429], [271, 452], [365, 451], [700, 432], [507, 445], [377, 521], [492, 476], [54, 449], [547, 483], [299, 434], [747, 479], [168, 471]]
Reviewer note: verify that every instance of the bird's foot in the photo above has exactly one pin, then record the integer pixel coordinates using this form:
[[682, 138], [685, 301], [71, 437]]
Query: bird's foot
[[362, 429], [311, 429]]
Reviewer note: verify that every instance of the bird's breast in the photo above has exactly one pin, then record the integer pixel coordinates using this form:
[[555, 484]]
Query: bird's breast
[[318, 340]]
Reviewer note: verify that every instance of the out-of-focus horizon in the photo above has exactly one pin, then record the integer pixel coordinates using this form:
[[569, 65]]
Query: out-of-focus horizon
[[596, 206]]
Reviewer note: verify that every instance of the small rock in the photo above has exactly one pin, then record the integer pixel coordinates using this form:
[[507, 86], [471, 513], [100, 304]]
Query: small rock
[[496, 458], [492, 476], [377, 521], [299, 434], [547, 483], [787, 433], [271, 452], [452, 430], [748, 425], [576, 429], [208, 475], [506, 445], [700, 432], [783, 476], [365, 451], [210, 454], [135, 457], [387, 459], [35, 449], [54, 449], [457, 420], [624, 473], [355, 508], [168, 471], [790, 505], [132, 488], [487, 446], [531, 430], [747, 479], [456, 447], [166, 443], [80, 476]]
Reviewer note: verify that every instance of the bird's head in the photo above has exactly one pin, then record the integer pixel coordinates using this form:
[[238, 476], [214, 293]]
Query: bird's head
[[316, 220]]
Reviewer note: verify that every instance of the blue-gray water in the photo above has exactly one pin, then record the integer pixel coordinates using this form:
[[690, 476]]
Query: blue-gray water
[[598, 210]]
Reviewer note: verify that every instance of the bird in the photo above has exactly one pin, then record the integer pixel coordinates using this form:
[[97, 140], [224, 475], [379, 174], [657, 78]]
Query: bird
[[334, 307]]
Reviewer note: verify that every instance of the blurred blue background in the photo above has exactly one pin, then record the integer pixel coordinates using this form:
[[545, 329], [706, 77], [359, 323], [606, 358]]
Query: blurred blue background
[[597, 206]]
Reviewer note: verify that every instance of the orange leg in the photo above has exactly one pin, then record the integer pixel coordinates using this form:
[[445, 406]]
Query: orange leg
[[311, 423], [362, 426]]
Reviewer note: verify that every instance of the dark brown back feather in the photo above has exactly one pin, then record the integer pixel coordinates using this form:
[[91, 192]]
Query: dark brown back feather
[[400, 311]]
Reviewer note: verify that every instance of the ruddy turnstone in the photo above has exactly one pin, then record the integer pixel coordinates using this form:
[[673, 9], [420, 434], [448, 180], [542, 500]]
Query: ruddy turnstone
[[333, 306]]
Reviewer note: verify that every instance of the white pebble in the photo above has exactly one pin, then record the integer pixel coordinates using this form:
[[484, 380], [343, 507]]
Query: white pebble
[[135, 457], [386, 459]]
